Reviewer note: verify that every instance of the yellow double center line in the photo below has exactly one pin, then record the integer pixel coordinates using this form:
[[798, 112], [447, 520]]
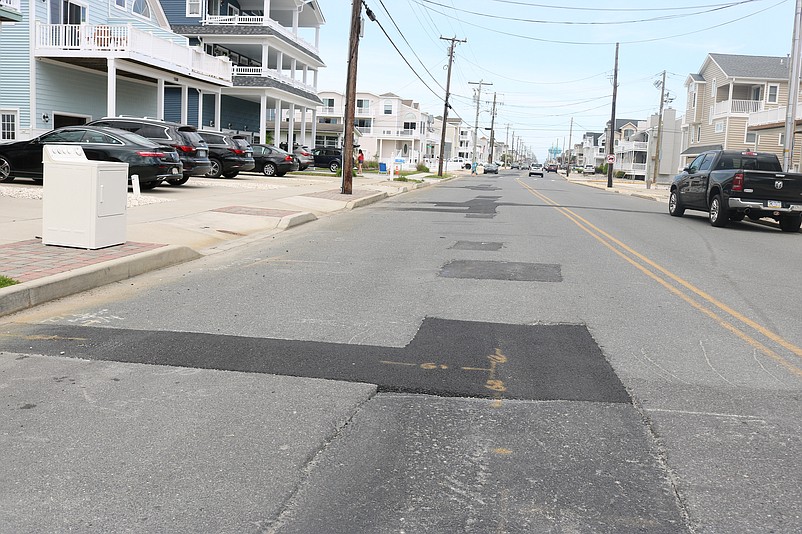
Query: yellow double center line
[[662, 277]]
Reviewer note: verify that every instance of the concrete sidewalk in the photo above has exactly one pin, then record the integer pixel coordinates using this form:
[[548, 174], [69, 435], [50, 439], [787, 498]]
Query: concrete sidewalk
[[636, 188], [168, 226]]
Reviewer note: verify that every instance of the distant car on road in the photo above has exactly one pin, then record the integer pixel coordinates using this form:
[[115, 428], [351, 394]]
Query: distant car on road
[[589, 169], [551, 167], [536, 168], [515, 165], [491, 168]]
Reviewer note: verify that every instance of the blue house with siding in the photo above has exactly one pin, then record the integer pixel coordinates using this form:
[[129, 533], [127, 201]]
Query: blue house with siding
[[71, 61], [273, 49]]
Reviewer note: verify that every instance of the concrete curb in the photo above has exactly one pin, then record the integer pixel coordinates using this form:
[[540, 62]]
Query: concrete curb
[[28, 294], [364, 201], [294, 220]]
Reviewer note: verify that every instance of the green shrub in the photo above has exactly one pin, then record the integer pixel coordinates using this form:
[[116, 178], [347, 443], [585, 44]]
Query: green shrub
[[6, 281], [422, 168], [620, 174]]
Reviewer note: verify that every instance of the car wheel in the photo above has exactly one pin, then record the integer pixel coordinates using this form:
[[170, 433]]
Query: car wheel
[[178, 181], [675, 208], [217, 168], [230, 174], [719, 215], [334, 166], [149, 185], [790, 223], [269, 169], [5, 170]]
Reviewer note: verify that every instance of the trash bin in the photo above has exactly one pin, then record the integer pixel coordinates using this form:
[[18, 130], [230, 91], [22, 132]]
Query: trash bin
[[83, 201]]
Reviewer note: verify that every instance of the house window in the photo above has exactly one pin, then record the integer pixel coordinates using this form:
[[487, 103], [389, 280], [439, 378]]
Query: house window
[[141, 7], [388, 108], [772, 95], [698, 133], [73, 13], [410, 125], [193, 8], [327, 120], [120, 3], [363, 123], [362, 103], [757, 91], [693, 99], [628, 132], [751, 138], [8, 125], [713, 88], [782, 139], [719, 126]]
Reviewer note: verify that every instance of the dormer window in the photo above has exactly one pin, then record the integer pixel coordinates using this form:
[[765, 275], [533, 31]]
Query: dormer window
[[141, 7], [193, 8]]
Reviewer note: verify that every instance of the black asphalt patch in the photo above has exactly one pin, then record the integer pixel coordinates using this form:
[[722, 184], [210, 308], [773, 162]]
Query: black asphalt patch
[[446, 358], [481, 207], [502, 270], [477, 245]]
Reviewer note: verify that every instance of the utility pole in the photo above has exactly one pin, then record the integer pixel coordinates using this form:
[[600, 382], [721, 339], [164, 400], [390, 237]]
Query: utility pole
[[446, 106], [480, 83], [570, 146], [610, 140], [793, 92], [492, 131], [512, 147], [350, 98], [506, 146], [659, 139]]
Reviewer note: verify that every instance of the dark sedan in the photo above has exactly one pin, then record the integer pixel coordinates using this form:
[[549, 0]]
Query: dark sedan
[[491, 168], [272, 161], [151, 162]]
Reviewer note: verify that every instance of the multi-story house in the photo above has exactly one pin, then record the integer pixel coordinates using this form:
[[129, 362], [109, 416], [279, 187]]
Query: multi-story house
[[635, 153], [70, 61], [593, 151], [721, 97], [272, 46], [10, 11], [389, 127]]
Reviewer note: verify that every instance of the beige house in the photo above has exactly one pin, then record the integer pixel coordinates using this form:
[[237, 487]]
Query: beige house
[[721, 97]]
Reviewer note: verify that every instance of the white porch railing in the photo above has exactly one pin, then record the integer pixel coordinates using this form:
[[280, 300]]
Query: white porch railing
[[398, 133], [631, 146], [238, 70], [125, 41], [737, 107], [363, 110], [771, 116], [256, 20], [13, 5], [630, 167]]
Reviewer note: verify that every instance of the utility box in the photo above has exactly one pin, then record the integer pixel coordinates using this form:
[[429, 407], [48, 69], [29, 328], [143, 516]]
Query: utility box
[[84, 201]]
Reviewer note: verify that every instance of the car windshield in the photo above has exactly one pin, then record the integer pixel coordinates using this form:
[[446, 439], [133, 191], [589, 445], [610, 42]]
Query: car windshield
[[192, 137]]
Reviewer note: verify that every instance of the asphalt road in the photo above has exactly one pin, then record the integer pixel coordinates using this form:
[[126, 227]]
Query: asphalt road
[[494, 354]]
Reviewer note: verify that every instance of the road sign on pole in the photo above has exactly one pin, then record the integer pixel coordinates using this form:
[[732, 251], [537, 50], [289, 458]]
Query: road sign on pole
[[610, 158]]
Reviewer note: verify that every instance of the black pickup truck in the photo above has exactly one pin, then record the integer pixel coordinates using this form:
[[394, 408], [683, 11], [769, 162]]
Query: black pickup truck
[[732, 184]]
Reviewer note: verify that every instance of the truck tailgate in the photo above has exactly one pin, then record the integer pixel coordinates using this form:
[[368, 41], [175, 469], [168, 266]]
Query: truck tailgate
[[782, 186]]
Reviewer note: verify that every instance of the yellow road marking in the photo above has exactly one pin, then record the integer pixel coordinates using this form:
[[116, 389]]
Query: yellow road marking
[[587, 226]]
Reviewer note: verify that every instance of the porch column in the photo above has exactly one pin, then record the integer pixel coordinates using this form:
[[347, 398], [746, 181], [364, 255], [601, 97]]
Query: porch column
[[265, 54], [314, 128], [200, 109], [304, 113], [293, 68], [160, 99], [280, 64], [291, 129], [305, 73], [295, 22], [184, 104], [314, 78], [266, 11], [111, 88], [277, 125], [317, 37], [217, 105], [263, 118]]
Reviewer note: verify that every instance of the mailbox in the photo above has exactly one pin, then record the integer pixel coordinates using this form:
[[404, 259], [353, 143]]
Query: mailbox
[[84, 201]]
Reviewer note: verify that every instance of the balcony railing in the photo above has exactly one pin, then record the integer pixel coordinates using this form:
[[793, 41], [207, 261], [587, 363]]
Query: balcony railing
[[771, 116], [13, 5], [398, 133], [737, 107], [630, 167], [238, 70], [631, 146], [125, 41], [363, 110], [256, 20]]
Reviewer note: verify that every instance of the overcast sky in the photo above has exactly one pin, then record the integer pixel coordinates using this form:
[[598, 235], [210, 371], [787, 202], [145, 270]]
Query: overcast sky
[[548, 61]]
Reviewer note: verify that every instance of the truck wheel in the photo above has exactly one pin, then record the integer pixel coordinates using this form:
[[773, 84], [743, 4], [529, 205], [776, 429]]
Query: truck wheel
[[790, 223], [719, 215], [675, 208]]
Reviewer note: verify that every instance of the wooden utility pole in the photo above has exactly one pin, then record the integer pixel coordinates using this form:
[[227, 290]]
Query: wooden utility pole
[[350, 99], [506, 146], [570, 146], [480, 83], [610, 140], [659, 139], [492, 131], [446, 106]]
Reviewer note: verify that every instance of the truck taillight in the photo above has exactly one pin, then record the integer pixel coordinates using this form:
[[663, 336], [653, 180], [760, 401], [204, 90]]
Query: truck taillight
[[738, 182]]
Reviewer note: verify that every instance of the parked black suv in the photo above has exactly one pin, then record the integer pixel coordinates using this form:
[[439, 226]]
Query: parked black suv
[[228, 153], [328, 157], [191, 147]]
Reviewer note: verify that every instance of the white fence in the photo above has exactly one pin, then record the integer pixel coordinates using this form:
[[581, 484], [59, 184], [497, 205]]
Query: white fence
[[771, 116], [742, 107], [238, 70]]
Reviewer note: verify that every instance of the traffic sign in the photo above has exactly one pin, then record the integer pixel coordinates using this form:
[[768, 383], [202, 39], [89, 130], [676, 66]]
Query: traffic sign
[[610, 158]]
